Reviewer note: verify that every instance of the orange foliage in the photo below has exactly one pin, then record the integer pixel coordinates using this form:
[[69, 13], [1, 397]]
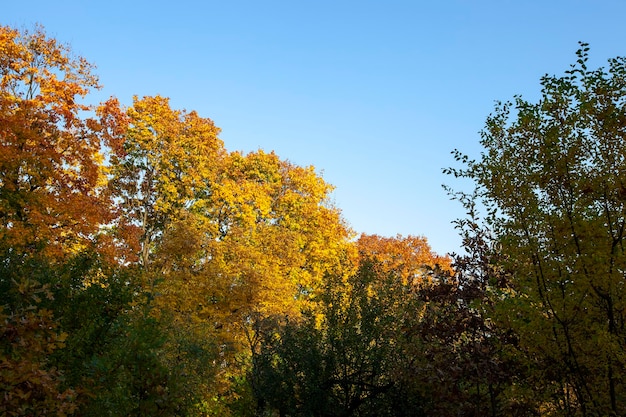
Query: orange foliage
[[410, 257], [51, 170]]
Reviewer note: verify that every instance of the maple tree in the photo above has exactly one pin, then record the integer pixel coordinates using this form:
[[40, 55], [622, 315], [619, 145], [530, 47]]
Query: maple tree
[[221, 237], [165, 164], [277, 235], [51, 172]]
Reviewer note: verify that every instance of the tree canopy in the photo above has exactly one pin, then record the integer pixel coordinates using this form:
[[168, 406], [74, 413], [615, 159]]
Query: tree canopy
[[147, 270]]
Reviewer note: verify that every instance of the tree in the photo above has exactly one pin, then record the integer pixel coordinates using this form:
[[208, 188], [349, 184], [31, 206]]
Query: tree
[[411, 258], [278, 236], [167, 163], [221, 237], [453, 357], [29, 334], [361, 348], [552, 177], [279, 233], [51, 173], [114, 353], [53, 201], [343, 358]]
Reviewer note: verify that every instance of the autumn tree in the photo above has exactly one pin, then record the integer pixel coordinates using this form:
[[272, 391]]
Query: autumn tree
[[551, 177], [410, 257], [166, 164], [51, 171], [277, 236], [221, 238], [53, 201]]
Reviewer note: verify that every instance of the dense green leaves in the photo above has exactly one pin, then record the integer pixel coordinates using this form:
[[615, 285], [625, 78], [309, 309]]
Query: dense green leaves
[[341, 361]]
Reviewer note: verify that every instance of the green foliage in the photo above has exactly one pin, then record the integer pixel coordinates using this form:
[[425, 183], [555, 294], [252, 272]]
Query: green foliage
[[76, 337], [552, 177], [342, 361], [29, 334], [112, 352], [380, 347]]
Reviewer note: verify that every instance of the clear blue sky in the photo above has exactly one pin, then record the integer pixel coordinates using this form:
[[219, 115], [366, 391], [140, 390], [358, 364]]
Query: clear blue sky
[[374, 94]]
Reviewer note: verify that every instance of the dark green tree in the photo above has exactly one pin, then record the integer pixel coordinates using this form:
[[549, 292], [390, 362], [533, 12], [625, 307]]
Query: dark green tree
[[78, 337], [113, 352], [30, 384], [343, 360]]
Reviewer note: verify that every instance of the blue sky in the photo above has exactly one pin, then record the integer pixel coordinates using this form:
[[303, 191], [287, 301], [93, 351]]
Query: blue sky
[[374, 94]]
